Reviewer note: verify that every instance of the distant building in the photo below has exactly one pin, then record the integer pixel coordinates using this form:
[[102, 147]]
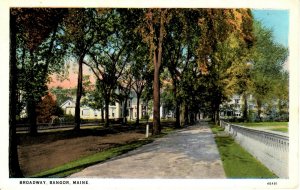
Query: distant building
[[115, 109], [234, 107]]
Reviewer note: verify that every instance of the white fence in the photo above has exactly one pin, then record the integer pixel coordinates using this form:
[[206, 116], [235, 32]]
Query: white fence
[[271, 149]]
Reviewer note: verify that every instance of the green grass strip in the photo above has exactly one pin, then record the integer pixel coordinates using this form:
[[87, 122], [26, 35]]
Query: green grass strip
[[78, 165], [265, 124], [237, 162], [280, 129]]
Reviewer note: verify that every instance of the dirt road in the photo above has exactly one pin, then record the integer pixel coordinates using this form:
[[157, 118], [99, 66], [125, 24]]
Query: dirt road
[[188, 153]]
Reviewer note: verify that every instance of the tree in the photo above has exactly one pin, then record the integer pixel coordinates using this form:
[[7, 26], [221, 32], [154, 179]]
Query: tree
[[139, 70], [267, 61], [95, 99], [34, 69], [35, 25], [34, 66], [281, 94], [203, 37], [80, 38], [125, 86], [47, 108], [235, 74], [138, 73], [14, 167], [180, 45], [107, 59], [62, 94], [84, 27], [152, 29], [239, 82], [218, 25]]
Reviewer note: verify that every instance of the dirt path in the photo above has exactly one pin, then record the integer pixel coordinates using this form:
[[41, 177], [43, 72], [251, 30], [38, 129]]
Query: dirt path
[[44, 152], [188, 153]]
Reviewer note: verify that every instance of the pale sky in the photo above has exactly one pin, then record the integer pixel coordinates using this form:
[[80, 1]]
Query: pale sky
[[277, 20]]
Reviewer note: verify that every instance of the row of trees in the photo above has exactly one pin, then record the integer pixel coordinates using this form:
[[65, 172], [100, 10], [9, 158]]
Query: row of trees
[[198, 58]]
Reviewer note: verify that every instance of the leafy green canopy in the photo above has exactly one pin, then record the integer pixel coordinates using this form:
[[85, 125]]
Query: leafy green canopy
[[267, 68]]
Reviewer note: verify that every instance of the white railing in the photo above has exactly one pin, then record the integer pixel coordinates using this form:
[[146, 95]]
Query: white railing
[[272, 149]]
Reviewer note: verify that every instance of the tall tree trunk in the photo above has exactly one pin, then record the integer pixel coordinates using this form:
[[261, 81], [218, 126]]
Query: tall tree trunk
[[181, 113], [156, 103], [124, 110], [216, 112], [259, 109], [138, 109], [217, 117], [107, 96], [14, 167], [31, 104], [177, 115], [245, 110], [177, 104], [213, 115], [186, 114], [102, 114], [32, 116], [157, 57], [156, 85], [78, 94]]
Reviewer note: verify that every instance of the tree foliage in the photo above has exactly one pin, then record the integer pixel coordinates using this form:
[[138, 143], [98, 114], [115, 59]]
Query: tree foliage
[[108, 58], [188, 60], [267, 71], [47, 108], [32, 25]]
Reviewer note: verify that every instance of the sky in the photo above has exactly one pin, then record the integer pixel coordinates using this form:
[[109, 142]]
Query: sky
[[277, 20], [71, 82]]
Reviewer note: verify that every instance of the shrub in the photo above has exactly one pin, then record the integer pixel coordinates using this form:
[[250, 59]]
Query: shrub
[[145, 117], [69, 118]]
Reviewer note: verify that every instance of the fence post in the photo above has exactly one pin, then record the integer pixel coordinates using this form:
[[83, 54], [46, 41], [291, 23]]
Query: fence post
[[147, 130]]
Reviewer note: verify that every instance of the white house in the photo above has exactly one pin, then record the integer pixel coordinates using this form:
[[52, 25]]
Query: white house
[[234, 107], [87, 112], [115, 109]]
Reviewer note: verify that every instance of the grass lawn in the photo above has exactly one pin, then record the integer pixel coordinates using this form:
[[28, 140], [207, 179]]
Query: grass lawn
[[265, 124], [237, 162], [78, 165], [280, 129], [273, 126]]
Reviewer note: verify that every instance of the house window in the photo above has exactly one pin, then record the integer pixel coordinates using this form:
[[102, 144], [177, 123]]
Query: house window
[[113, 112], [85, 112]]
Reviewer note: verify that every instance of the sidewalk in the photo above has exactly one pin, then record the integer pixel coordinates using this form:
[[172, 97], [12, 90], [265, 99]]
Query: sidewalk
[[188, 153]]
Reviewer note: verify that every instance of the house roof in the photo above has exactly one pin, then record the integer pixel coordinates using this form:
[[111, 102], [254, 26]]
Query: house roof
[[68, 101]]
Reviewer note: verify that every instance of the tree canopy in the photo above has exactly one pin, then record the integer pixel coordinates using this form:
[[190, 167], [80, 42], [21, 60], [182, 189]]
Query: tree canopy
[[190, 61]]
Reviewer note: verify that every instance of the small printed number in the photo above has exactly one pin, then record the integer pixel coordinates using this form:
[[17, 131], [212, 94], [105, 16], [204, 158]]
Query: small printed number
[[272, 183]]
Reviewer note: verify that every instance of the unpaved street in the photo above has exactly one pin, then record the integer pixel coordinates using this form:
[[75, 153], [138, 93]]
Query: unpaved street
[[188, 153]]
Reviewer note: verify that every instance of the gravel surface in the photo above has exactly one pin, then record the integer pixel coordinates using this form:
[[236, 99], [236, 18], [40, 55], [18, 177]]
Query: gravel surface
[[188, 153]]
